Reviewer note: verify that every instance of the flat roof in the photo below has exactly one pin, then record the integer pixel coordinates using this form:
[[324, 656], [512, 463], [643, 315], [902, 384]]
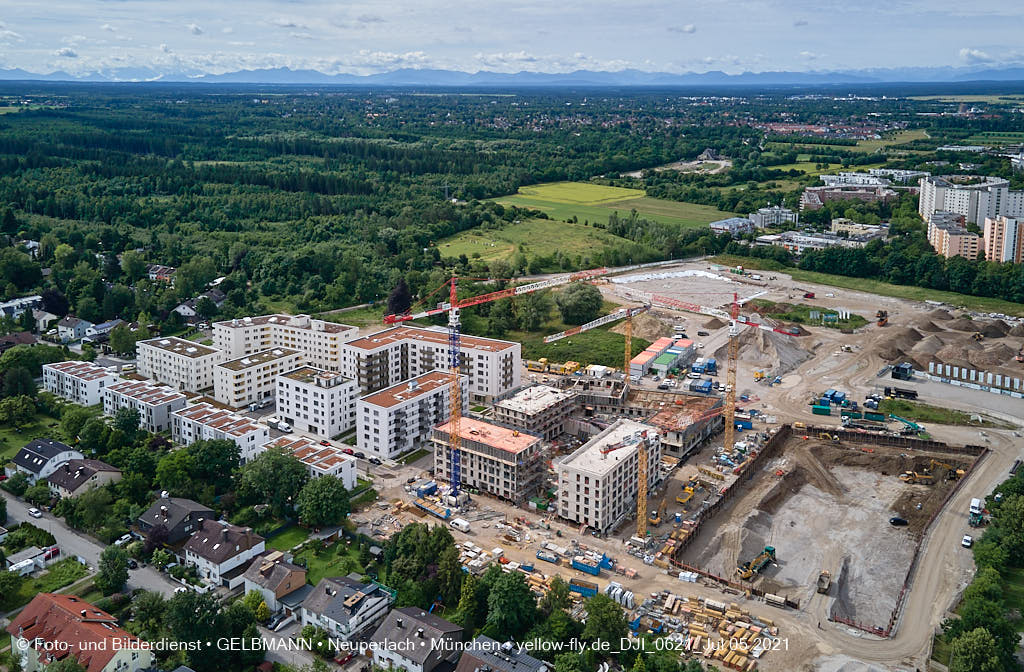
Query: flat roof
[[534, 399], [281, 319], [434, 336], [410, 389], [643, 357], [218, 418], [495, 436], [179, 346], [146, 392], [258, 358], [311, 374], [311, 453], [81, 370], [666, 358], [589, 458]]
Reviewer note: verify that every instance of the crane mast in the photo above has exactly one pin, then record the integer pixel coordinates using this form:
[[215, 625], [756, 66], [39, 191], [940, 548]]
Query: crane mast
[[455, 394], [730, 379]]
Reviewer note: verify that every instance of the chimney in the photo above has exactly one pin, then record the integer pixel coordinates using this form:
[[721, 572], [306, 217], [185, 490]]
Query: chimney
[[248, 537], [419, 633], [224, 534], [398, 623], [83, 612]]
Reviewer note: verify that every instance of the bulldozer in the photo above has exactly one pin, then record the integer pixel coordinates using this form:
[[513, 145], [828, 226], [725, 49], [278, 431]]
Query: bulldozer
[[747, 570], [825, 436], [759, 376], [978, 336], [882, 316], [915, 477], [824, 581]]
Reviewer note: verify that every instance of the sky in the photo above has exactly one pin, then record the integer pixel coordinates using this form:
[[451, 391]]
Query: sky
[[337, 36]]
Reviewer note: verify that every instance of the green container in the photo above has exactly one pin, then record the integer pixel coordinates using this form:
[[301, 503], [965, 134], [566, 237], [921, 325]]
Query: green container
[[850, 414], [821, 410], [877, 417]]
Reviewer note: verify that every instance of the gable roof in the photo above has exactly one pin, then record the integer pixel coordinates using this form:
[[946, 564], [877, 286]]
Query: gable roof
[[486, 654], [218, 540], [82, 631], [340, 598], [75, 473], [418, 630], [171, 511], [36, 453]]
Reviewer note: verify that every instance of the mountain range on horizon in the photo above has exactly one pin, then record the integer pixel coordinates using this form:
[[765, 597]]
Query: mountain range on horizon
[[621, 78]]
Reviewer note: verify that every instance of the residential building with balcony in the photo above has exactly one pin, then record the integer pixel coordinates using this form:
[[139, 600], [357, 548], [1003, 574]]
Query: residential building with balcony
[[184, 365], [501, 461], [79, 382], [155, 403], [205, 421], [318, 340], [317, 401], [252, 378]]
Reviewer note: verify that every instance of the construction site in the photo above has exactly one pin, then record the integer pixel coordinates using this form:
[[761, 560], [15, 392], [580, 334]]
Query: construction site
[[744, 480]]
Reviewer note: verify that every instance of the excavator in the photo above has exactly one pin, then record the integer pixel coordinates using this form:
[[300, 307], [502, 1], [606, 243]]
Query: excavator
[[655, 518], [687, 494], [883, 317], [911, 425], [825, 436], [747, 570], [1019, 357], [955, 474], [978, 336]]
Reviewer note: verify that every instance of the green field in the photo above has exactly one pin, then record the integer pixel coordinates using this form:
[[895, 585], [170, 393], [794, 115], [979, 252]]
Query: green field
[[995, 138], [594, 203], [11, 439], [538, 237], [360, 317], [862, 146], [909, 292], [801, 313], [336, 560], [288, 539], [918, 412]]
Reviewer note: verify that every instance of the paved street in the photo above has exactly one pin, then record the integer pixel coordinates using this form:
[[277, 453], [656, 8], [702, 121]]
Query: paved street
[[74, 543]]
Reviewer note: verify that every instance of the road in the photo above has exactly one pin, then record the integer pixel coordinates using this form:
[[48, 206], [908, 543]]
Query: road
[[74, 543]]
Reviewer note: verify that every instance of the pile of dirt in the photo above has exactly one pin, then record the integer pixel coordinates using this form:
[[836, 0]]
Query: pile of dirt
[[940, 314], [645, 326], [992, 355], [1017, 330], [960, 351], [993, 329], [714, 323], [927, 325], [928, 346], [898, 343], [963, 324], [770, 350]]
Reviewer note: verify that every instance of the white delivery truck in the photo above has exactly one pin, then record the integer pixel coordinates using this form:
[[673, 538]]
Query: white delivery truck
[[460, 524]]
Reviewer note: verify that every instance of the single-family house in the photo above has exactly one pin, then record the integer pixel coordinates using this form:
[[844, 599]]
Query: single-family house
[[220, 552], [8, 341], [103, 328], [275, 578], [484, 654], [345, 608], [187, 309], [72, 329], [41, 457], [56, 627], [413, 640], [43, 320], [180, 516], [76, 476]]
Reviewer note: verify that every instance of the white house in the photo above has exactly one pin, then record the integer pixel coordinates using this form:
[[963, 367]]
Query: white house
[[317, 401], [413, 640], [220, 552], [184, 365], [345, 608], [155, 403], [71, 329], [204, 421], [41, 457]]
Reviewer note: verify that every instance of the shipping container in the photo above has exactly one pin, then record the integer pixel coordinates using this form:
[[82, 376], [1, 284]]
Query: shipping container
[[584, 588], [850, 414], [877, 417], [821, 410]]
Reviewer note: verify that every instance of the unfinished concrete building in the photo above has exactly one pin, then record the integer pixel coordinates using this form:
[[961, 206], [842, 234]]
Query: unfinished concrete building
[[501, 461], [539, 409], [598, 483]]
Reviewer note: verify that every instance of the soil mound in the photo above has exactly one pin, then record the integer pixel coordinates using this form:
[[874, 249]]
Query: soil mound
[[928, 346], [645, 326], [993, 355], [898, 343], [940, 314], [963, 324], [927, 326], [768, 349], [714, 323], [1017, 330], [994, 329]]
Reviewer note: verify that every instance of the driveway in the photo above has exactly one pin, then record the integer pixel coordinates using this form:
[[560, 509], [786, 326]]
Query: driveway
[[74, 543]]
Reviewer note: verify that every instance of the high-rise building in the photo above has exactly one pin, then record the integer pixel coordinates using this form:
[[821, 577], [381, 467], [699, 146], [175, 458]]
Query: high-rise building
[[1004, 239], [949, 237], [972, 196], [320, 341]]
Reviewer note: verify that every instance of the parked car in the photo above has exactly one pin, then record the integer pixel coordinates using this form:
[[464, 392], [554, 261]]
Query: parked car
[[132, 564], [703, 333], [275, 621], [348, 451], [35, 513], [898, 522], [375, 460], [344, 656], [361, 455], [325, 442], [180, 590], [700, 346], [122, 540], [967, 541]]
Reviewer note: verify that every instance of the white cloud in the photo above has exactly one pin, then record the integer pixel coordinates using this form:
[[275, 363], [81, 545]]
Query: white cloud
[[6, 34], [73, 40], [66, 52], [799, 22], [688, 28], [809, 55], [109, 28], [974, 56], [300, 35], [194, 29], [227, 30], [282, 22]]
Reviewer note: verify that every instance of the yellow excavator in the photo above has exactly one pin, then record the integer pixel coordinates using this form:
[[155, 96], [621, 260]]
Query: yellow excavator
[[655, 518], [686, 495], [955, 474], [825, 436]]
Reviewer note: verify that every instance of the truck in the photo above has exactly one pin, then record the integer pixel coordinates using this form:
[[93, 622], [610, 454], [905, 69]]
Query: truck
[[711, 366], [584, 588], [584, 565], [460, 524], [748, 569], [278, 424], [824, 582], [900, 393], [977, 512]]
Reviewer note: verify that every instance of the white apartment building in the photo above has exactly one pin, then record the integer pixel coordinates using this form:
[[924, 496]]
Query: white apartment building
[[854, 179], [240, 382], [184, 365], [1004, 239], [155, 403], [901, 176], [498, 460], [320, 460], [318, 340], [388, 357], [207, 422], [597, 484], [538, 409], [317, 401], [399, 419], [773, 216], [80, 382], [972, 196]]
